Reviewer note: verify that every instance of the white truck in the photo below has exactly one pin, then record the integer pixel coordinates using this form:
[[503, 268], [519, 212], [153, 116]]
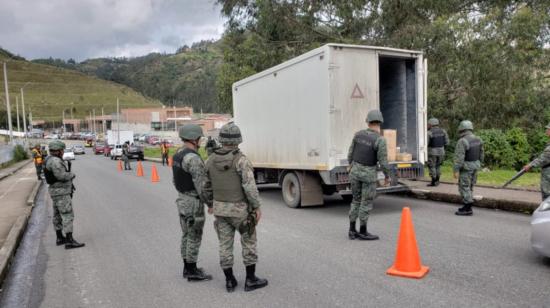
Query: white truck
[[116, 140], [298, 118]]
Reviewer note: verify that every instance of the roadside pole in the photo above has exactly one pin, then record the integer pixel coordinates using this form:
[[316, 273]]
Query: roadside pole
[[8, 101]]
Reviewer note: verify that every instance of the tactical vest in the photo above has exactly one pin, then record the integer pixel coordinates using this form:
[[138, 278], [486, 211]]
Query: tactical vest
[[183, 181], [437, 140], [50, 177], [226, 182], [364, 150], [474, 151]]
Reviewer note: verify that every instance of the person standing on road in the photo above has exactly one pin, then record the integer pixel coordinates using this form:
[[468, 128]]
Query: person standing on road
[[437, 140], [38, 160], [61, 188], [543, 161], [236, 206], [367, 150], [189, 179], [467, 161], [164, 152], [125, 155]]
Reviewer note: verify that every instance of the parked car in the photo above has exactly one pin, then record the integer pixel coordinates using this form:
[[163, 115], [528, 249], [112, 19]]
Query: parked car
[[143, 138], [68, 154], [116, 151], [52, 136], [107, 149], [540, 229], [98, 148], [135, 151], [78, 149]]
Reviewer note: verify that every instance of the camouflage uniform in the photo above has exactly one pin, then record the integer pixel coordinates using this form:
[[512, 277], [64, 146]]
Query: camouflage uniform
[[363, 180], [467, 169], [543, 161], [125, 158], [436, 156], [61, 192], [191, 208], [232, 216]]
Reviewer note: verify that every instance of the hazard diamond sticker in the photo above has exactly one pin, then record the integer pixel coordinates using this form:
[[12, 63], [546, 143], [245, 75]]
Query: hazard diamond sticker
[[357, 93]]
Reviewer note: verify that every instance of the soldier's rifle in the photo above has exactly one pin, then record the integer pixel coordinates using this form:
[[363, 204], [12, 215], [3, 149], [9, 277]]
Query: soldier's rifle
[[515, 177]]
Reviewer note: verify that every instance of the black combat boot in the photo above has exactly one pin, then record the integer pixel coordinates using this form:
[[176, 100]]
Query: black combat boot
[[436, 181], [364, 235], [60, 238], [185, 269], [352, 234], [432, 183], [252, 282], [70, 243], [466, 210], [196, 274], [230, 281]]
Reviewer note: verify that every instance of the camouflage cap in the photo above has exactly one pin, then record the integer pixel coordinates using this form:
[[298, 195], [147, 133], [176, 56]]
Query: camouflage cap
[[465, 125], [56, 145], [190, 132], [375, 116], [230, 134], [433, 121]]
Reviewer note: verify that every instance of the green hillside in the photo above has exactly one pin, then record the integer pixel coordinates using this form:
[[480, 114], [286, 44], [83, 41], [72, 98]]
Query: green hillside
[[185, 78], [53, 89]]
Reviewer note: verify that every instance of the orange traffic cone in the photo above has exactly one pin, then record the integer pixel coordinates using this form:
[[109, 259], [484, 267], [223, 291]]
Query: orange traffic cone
[[154, 174], [139, 169], [170, 161], [407, 260], [119, 166]]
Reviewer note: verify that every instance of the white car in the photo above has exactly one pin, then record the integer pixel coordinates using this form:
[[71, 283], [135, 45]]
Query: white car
[[68, 154], [116, 151], [540, 229]]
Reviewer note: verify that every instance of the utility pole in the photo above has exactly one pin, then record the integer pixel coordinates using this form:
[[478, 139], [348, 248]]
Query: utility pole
[[30, 117], [63, 118], [102, 121], [175, 118], [90, 122], [8, 101], [94, 121], [24, 115], [17, 108], [118, 120]]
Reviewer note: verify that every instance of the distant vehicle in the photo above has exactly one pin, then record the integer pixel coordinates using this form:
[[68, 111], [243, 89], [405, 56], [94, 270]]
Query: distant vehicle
[[66, 135], [52, 136], [116, 151], [98, 148], [135, 151], [143, 138], [136, 137], [36, 133], [107, 149], [68, 154], [153, 140], [78, 149], [540, 229], [89, 142]]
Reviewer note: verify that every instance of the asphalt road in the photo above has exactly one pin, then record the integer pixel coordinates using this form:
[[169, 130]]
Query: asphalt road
[[131, 259]]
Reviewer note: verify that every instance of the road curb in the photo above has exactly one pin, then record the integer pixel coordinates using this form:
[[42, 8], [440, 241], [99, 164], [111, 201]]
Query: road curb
[[486, 186], [32, 196], [156, 160], [484, 202], [3, 176], [12, 241]]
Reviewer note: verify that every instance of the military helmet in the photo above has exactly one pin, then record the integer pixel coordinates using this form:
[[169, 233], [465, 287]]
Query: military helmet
[[433, 121], [56, 145], [465, 125], [375, 116], [230, 134], [190, 132]]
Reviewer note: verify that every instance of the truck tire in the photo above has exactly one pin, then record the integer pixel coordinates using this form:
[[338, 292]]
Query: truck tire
[[292, 193]]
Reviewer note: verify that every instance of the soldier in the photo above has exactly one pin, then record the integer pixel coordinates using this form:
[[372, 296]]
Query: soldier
[[164, 152], [467, 161], [367, 150], [189, 177], [437, 140], [38, 160], [125, 156], [543, 161], [236, 206], [61, 188]]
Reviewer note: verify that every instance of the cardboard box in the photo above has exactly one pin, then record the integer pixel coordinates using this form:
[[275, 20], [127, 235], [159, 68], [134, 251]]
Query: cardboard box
[[391, 140], [404, 157]]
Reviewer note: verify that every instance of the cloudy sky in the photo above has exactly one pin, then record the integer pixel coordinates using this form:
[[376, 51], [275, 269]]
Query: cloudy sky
[[82, 29]]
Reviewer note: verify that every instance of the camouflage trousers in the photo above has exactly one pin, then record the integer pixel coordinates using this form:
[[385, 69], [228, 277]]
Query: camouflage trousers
[[126, 162], [225, 228], [191, 213], [63, 215], [434, 165], [364, 194], [545, 183], [466, 181], [38, 170]]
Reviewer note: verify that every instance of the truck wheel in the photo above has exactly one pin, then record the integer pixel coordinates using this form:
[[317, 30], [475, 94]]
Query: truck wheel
[[292, 193]]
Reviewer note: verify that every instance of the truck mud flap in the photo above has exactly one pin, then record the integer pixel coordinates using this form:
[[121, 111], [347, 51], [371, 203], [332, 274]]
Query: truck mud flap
[[311, 190]]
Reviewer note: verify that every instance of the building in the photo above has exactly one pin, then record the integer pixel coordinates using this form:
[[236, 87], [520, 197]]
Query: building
[[162, 118]]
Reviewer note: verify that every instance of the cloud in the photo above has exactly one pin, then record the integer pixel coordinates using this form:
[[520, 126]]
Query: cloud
[[100, 28]]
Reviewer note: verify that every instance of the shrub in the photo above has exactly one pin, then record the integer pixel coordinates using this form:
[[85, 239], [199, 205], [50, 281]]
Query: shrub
[[517, 140], [498, 153], [19, 153], [537, 140]]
